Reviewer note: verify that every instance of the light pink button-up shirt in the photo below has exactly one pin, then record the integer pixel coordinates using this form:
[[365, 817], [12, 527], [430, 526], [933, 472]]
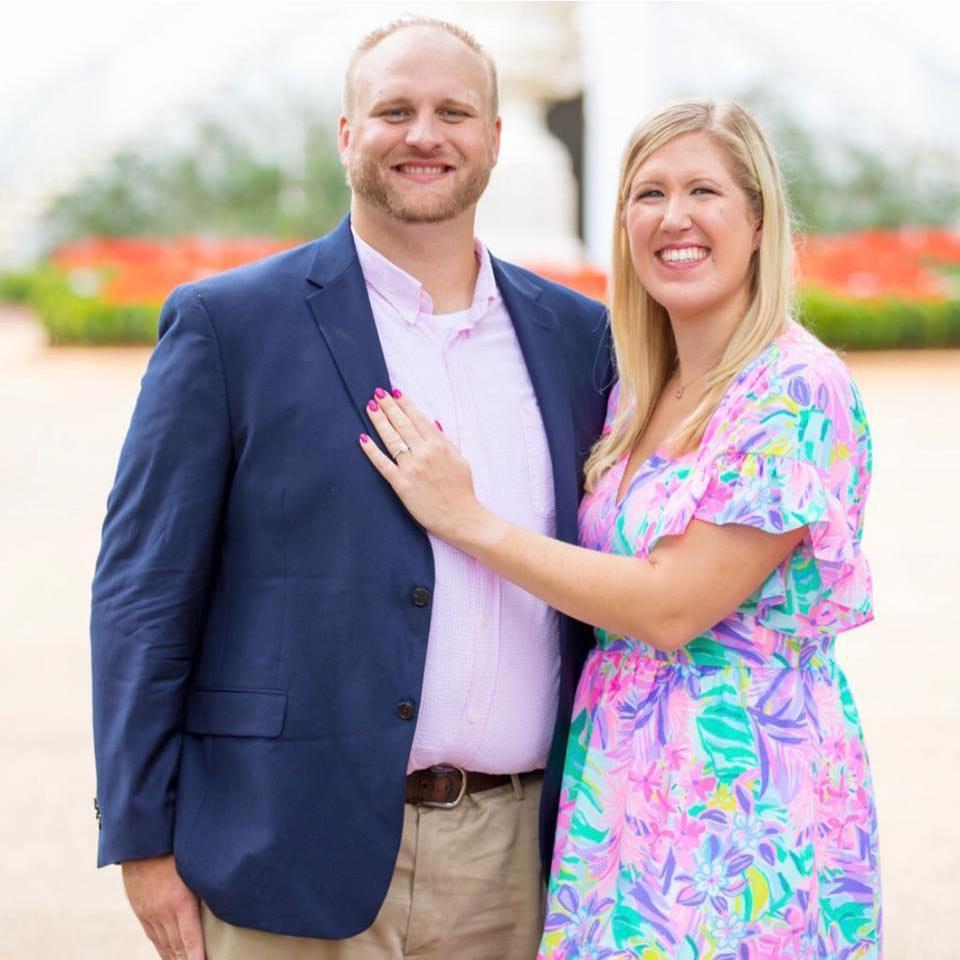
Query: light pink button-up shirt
[[490, 684]]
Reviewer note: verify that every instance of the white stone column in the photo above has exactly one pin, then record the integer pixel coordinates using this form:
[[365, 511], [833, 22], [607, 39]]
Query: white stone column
[[619, 42], [529, 212]]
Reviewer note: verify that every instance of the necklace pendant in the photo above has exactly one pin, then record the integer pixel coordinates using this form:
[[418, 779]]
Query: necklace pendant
[[678, 393]]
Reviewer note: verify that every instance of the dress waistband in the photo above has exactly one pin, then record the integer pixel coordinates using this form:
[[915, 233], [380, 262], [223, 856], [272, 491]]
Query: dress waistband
[[771, 651]]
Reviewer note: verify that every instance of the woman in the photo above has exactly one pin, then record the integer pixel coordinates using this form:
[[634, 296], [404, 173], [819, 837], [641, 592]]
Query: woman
[[716, 798]]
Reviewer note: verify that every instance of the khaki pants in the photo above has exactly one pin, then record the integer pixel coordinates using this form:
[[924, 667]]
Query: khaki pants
[[467, 886]]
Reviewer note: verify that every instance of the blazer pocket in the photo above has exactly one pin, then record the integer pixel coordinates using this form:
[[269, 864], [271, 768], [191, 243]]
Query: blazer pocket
[[235, 713]]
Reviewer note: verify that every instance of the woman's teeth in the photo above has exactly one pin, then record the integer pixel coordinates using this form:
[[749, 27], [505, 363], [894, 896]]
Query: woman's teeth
[[684, 254]]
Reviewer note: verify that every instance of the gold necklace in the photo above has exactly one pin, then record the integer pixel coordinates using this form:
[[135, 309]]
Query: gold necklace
[[678, 393]]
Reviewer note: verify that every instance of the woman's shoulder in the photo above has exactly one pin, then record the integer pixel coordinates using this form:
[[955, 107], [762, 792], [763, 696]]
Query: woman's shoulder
[[793, 397], [800, 353], [798, 367]]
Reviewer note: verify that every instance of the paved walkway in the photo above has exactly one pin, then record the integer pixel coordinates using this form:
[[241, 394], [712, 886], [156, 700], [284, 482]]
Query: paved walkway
[[63, 415]]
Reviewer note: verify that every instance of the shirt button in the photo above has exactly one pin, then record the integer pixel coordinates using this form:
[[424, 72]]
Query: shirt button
[[467, 435], [406, 709], [419, 596]]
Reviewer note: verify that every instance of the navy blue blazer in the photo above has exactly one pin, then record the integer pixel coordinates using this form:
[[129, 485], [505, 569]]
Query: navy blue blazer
[[261, 601]]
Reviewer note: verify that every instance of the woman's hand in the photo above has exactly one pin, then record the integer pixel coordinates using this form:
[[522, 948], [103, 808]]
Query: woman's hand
[[426, 471]]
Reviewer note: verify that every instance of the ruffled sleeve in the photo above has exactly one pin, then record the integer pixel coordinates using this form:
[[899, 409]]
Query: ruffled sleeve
[[790, 447], [824, 587]]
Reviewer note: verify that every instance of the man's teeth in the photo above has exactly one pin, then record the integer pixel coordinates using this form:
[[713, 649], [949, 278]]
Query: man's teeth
[[684, 254], [415, 168]]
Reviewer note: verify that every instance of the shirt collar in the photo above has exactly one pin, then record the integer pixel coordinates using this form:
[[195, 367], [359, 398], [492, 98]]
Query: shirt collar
[[406, 294]]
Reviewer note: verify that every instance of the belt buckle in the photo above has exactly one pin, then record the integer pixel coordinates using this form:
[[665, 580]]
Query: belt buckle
[[450, 804]]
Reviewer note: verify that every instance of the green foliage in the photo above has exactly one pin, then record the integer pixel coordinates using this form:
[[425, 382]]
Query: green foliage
[[215, 185], [882, 324], [836, 184], [75, 319], [16, 287]]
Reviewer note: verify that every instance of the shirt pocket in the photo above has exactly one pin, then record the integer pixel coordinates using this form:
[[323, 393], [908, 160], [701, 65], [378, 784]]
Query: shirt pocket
[[537, 453]]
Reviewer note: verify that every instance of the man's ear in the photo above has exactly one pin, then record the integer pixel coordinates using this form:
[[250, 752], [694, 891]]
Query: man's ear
[[343, 138], [496, 140]]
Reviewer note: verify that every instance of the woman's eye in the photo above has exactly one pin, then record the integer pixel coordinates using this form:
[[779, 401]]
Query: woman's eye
[[649, 194], [704, 190]]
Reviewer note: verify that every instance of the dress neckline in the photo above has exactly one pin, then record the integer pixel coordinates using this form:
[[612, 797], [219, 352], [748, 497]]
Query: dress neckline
[[660, 455], [789, 332]]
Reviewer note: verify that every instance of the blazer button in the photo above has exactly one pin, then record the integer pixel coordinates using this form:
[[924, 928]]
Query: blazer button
[[406, 709], [420, 596]]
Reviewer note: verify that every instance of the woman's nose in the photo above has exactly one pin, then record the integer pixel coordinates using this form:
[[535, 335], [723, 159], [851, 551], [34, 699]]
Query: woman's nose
[[676, 214]]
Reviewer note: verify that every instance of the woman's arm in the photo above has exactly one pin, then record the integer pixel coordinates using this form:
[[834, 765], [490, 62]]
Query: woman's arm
[[685, 586]]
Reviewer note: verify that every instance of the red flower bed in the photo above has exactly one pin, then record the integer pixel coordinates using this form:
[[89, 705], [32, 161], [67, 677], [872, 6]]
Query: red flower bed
[[880, 263], [872, 264], [133, 270], [587, 280]]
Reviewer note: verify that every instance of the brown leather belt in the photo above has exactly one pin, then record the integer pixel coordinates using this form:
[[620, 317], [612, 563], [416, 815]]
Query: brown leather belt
[[446, 785]]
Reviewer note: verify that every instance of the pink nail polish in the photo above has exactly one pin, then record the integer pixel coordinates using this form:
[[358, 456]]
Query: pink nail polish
[[379, 393], [439, 425], [396, 392], [373, 405], [364, 438]]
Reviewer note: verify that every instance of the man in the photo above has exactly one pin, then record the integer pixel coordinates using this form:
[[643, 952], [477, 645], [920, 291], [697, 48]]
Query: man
[[281, 656]]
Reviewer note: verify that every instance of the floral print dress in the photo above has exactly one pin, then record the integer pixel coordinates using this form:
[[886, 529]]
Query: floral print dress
[[716, 801]]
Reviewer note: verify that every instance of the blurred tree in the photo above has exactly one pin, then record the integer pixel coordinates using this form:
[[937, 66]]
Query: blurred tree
[[838, 184], [216, 185]]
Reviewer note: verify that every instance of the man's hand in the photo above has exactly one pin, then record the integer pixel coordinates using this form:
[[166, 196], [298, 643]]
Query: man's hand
[[167, 908]]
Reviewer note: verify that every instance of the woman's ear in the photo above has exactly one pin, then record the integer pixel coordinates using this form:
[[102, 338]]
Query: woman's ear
[[758, 231]]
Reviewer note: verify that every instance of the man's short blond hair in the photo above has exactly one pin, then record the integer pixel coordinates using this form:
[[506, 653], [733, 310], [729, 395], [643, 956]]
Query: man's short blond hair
[[375, 36]]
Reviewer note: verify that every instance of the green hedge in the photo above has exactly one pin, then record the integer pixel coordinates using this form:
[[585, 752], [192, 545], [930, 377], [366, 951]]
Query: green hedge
[[72, 318], [885, 324], [840, 322]]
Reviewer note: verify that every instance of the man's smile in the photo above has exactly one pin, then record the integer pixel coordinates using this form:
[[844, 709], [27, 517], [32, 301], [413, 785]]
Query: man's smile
[[422, 171]]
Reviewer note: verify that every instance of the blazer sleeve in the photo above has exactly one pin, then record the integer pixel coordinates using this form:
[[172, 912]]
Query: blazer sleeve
[[152, 578]]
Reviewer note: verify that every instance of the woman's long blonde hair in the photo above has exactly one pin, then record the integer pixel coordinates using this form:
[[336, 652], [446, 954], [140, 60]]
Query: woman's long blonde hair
[[642, 337]]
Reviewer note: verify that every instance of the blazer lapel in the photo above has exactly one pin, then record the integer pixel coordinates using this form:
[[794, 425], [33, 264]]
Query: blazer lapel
[[344, 318], [343, 315], [538, 332]]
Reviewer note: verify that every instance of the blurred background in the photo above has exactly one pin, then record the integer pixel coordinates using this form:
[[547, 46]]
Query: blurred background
[[145, 144]]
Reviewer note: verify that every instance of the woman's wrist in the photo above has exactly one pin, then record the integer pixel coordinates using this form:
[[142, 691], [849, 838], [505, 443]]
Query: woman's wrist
[[480, 532]]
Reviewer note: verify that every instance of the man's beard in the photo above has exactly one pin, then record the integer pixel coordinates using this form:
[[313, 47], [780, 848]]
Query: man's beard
[[368, 180]]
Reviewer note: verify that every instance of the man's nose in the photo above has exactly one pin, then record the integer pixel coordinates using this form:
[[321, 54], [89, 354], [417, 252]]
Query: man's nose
[[426, 132]]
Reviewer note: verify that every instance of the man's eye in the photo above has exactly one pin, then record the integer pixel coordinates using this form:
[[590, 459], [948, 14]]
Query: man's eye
[[450, 114], [395, 113]]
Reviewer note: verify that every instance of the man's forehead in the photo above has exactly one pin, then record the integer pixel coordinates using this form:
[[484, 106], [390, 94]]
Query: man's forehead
[[388, 89], [423, 55]]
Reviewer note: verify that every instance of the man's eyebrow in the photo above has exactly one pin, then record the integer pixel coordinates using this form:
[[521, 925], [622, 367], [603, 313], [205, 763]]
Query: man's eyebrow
[[387, 103], [459, 104]]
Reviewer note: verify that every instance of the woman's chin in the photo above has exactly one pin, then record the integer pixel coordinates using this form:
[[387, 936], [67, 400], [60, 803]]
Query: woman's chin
[[686, 306]]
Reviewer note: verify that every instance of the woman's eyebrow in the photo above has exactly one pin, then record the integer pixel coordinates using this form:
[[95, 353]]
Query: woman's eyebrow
[[658, 180]]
